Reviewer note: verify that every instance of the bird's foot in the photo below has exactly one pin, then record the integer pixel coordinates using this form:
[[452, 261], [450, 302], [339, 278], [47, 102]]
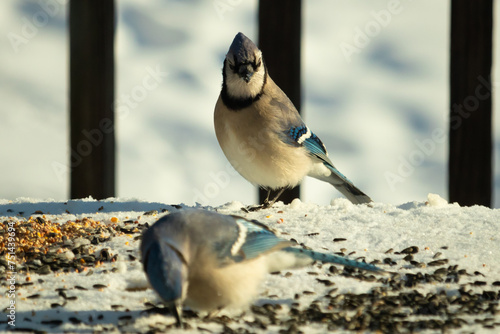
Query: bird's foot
[[256, 208], [253, 208], [213, 313], [177, 311]]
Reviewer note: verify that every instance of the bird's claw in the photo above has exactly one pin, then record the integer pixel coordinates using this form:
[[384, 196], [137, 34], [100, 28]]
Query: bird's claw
[[254, 208]]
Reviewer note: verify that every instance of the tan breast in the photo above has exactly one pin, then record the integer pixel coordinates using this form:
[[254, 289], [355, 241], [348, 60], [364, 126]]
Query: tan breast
[[254, 149]]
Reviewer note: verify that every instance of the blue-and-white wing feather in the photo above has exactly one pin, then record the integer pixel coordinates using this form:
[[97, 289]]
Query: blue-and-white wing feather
[[254, 239], [303, 136]]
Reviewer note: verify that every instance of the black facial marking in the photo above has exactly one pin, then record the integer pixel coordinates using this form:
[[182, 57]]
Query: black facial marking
[[236, 68], [256, 65], [235, 103]]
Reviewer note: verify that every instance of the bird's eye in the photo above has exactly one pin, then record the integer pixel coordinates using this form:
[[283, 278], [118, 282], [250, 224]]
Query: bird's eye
[[256, 65], [231, 66]]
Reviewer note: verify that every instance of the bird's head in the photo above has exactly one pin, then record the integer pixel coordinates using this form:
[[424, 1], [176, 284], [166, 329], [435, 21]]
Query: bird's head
[[165, 260], [244, 71]]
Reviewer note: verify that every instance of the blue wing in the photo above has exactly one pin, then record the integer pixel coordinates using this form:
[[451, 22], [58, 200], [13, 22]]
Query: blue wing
[[252, 240], [302, 136], [259, 239]]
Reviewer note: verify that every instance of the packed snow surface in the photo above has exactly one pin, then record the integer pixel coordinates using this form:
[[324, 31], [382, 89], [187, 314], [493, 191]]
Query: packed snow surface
[[114, 295]]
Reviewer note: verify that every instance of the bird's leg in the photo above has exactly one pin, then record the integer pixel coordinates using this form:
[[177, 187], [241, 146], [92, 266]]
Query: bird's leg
[[177, 310], [268, 204], [252, 208], [213, 313], [267, 197]]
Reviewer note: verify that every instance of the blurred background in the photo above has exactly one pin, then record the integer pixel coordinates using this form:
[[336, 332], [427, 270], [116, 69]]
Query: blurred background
[[375, 101]]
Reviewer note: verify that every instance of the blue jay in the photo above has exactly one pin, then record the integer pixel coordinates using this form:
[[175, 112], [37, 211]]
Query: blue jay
[[207, 261], [261, 133]]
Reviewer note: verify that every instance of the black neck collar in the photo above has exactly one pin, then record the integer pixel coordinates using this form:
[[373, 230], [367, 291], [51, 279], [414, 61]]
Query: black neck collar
[[239, 103]]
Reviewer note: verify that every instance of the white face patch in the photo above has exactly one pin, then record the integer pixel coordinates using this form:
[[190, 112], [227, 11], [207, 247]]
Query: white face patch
[[237, 87], [242, 237]]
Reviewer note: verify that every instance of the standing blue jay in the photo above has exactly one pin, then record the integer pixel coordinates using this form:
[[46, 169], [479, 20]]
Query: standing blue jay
[[261, 133], [208, 261]]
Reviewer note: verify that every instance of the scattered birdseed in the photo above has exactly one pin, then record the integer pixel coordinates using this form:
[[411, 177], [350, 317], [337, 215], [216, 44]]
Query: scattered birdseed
[[389, 261], [410, 250], [476, 283], [395, 303], [438, 263], [55, 305], [408, 258], [325, 282], [339, 239], [55, 322], [438, 254], [417, 264]]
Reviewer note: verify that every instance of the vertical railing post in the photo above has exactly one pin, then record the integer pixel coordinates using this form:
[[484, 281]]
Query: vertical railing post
[[470, 153], [91, 64], [280, 42]]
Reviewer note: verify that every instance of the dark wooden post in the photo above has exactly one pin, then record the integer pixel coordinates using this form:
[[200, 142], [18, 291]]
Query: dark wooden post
[[280, 40], [470, 154], [92, 139]]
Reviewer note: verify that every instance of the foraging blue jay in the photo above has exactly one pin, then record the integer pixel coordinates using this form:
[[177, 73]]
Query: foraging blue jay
[[208, 261], [261, 133]]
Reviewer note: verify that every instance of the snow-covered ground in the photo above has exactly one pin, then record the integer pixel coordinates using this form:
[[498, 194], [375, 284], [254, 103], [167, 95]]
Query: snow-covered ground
[[376, 109], [113, 295]]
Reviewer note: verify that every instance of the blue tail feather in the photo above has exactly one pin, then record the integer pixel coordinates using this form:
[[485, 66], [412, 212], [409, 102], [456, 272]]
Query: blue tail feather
[[330, 258]]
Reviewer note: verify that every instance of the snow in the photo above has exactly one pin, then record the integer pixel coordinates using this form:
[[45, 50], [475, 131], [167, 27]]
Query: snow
[[471, 235], [373, 108], [384, 107]]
